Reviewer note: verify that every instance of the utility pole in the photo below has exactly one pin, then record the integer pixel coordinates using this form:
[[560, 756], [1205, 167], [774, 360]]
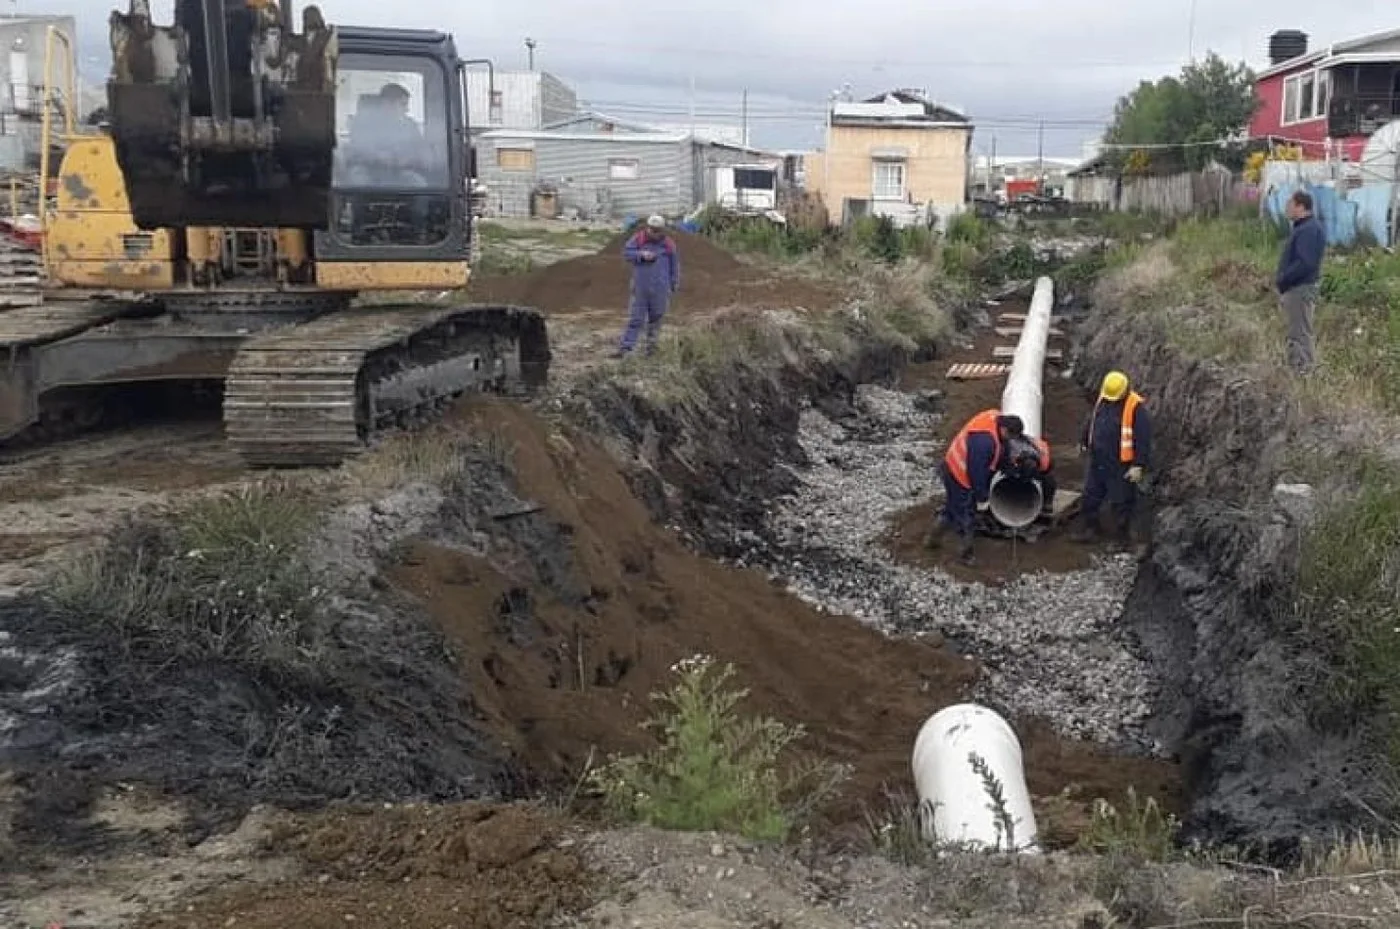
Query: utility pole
[[992, 167], [530, 51], [744, 116], [1040, 152], [1191, 34], [692, 104]]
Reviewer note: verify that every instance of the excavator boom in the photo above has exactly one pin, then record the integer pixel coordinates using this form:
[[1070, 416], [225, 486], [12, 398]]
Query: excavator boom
[[226, 117]]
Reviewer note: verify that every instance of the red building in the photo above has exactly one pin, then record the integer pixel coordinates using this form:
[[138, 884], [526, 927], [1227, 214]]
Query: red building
[[1331, 99]]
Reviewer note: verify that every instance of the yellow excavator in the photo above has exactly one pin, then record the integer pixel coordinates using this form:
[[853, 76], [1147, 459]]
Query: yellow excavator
[[249, 182]]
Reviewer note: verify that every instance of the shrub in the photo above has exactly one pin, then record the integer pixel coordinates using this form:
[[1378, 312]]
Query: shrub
[[225, 581], [713, 769], [1140, 830]]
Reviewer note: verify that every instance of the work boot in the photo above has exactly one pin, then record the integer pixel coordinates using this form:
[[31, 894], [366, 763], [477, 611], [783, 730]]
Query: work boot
[[934, 539], [965, 555]]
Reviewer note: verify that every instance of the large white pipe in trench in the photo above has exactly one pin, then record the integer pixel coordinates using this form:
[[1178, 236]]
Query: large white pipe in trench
[[957, 805], [1017, 503]]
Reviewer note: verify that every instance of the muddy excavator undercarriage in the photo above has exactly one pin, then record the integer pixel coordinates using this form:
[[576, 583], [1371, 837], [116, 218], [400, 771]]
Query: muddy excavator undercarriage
[[250, 184]]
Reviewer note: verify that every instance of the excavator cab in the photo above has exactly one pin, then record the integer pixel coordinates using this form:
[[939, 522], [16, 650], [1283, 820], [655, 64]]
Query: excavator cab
[[400, 174], [228, 119]]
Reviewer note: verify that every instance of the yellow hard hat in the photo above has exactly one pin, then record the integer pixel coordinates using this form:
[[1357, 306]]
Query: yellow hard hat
[[1115, 386]]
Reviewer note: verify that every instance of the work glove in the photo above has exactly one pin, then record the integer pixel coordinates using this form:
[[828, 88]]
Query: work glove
[[1135, 474], [983, 506]]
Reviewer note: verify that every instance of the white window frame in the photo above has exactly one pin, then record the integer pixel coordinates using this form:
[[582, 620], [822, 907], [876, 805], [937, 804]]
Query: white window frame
[[875, 189], [624, 169], [1320, 80]]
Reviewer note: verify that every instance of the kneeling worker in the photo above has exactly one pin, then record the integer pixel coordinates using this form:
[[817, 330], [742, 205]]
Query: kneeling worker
[[973, 456], [1029, 460]]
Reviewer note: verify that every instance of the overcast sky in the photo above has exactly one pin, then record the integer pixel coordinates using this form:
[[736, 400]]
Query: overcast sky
[[1011, 64]]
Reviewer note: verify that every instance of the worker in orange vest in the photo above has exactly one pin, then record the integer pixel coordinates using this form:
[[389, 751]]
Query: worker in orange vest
[[974, 455], [1118, 440]]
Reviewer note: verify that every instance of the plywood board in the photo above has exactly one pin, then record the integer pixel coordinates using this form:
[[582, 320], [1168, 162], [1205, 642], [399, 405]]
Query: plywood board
[[976, 372]]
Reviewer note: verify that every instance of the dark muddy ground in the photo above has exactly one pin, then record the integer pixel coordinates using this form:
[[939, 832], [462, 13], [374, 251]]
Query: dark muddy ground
[[1065, 407]]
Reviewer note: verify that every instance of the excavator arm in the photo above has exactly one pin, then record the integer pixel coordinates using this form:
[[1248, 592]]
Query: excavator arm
[[227, 116]]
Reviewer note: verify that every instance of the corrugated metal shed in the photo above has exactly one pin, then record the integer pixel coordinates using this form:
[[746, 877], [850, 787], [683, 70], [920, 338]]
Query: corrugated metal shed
[[601, 175]]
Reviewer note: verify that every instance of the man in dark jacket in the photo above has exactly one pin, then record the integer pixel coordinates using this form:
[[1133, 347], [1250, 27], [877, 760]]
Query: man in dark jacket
[[1118, 440], [1299, 268]]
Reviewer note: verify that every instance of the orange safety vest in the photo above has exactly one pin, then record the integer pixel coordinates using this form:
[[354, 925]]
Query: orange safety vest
[[956, 456], [1044, 447], [1126, 452]]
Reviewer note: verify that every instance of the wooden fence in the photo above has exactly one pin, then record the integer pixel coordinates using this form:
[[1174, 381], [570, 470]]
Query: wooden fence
[[1202, 192]]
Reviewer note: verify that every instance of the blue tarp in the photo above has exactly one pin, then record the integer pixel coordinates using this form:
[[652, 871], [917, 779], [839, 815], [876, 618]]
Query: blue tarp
[[1342, 214]]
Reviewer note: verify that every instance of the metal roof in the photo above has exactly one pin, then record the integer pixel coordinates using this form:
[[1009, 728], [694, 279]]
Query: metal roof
[[1336, 48]]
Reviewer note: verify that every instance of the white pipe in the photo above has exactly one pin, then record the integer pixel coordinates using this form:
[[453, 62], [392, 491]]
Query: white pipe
[[955, 806], [1017, 503]]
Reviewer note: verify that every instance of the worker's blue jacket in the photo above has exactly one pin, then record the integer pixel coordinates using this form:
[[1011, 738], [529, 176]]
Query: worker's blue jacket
[[981, 463], [654, 278], [1107, 424], [1300, 262]]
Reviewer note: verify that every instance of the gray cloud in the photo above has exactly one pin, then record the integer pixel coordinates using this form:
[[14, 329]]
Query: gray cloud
[[1008, 63]]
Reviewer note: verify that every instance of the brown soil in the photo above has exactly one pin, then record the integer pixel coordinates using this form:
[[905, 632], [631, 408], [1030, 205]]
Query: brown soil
[[572, 682], [1062, 417], [711, 278], [464, 866]]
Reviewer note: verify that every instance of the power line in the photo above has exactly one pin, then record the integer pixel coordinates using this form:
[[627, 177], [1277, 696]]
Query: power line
[[797, 114], [932, 63]]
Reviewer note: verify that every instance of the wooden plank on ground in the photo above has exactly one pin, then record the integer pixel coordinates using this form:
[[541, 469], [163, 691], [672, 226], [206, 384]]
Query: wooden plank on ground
[[1011, 318], [975, 372], [1011, 332], [1009, 351]]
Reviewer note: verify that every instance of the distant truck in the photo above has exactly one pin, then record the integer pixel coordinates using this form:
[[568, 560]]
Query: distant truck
[[747, 189]]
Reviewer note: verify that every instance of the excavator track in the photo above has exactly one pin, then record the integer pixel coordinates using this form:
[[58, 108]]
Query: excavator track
[[318, 393]]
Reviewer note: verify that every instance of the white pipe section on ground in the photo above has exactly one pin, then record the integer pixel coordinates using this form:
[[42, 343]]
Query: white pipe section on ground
[[1015, 503], [955, 805]]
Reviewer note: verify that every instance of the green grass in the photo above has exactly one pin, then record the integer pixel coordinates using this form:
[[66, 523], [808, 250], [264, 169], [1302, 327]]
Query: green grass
[[1348, 601], [224, 580], [715, 769], [904, 308], [1212, 283]]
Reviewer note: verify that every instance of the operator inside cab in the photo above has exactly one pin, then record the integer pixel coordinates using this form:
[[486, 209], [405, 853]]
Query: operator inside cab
[[386, 145]]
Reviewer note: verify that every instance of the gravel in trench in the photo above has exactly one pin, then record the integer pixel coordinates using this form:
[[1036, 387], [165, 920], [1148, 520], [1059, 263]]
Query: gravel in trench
[[1049, 642]]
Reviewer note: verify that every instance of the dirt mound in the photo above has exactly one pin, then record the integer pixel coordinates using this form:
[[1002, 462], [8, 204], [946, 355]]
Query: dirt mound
[[409, 867], [711, 278], [579, 610]]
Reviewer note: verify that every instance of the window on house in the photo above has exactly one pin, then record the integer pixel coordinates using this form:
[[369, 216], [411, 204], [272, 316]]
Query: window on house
[[515, 159], [1306, 95], [1290, 100], [497, 104], [888, 180], [624, 169]]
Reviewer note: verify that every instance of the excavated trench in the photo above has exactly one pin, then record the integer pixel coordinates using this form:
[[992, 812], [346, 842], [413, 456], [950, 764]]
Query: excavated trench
[[1179, 657], [501, 630]]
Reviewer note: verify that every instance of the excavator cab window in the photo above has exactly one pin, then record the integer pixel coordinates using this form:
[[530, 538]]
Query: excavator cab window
[[392, 174]]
